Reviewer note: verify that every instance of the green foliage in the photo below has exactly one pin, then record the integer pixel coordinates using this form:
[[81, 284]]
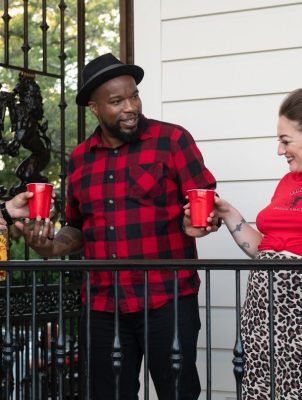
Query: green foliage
[[102, 35]]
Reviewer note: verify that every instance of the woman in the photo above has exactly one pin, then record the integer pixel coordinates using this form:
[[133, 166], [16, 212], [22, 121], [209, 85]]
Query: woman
[[279, 237]]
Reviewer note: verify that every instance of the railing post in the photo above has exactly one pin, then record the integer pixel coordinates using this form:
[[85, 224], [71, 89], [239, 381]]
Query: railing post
[[34, 341], [176, 356], [117, 350], [238, 352], [208, 334], [27, 379], [8, 344], [271, 331], [88, 340], [146, 336], [60, 347]]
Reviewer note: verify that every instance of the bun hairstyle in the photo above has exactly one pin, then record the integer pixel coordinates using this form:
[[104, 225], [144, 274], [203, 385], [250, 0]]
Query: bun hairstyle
[[291, 107]]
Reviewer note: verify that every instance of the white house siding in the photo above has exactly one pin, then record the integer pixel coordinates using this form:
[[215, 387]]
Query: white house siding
[[221, 69]]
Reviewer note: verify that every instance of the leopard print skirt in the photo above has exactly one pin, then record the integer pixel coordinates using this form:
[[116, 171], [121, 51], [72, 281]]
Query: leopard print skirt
[[287, 333]]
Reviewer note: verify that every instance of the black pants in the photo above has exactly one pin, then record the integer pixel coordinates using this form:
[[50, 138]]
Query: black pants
[[132, 343]]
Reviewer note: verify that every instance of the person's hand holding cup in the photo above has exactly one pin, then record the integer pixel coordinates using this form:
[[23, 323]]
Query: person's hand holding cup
[[201, 206], [39, 204]]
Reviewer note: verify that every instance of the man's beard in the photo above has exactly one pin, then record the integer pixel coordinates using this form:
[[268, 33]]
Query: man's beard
[[116, 133]]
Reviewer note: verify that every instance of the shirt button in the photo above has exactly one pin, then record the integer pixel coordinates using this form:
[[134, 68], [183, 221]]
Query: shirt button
[[115, 151], [110, 201], [113, 255], [111, 176], [111, 228]]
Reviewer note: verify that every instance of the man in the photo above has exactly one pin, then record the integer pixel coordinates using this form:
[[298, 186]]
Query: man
[[127, 186]]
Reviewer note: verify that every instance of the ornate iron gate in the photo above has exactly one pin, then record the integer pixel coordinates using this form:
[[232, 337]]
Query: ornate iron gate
[[34, 346]]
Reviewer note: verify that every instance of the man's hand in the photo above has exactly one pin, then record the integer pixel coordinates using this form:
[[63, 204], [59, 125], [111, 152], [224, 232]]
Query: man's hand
[[190, 230], [39, 235]]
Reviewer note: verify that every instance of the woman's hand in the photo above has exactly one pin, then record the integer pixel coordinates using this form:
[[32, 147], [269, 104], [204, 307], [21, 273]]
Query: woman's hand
[[17, 206], [222, 207]]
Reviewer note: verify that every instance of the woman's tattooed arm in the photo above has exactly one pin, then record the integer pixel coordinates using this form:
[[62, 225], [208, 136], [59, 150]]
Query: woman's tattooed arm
[[238, 227], [245, 246]]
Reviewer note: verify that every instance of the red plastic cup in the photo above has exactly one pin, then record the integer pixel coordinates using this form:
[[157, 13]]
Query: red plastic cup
[[201, 205], [39, 204]]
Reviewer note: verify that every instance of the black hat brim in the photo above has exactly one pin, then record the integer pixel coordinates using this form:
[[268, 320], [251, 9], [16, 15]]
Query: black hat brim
[[103, 76]]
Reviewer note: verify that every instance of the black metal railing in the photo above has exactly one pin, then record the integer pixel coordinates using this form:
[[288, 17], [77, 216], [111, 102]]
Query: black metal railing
[[41, 341]]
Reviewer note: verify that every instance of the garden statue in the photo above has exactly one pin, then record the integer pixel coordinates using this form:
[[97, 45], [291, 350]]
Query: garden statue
[[27, 124]]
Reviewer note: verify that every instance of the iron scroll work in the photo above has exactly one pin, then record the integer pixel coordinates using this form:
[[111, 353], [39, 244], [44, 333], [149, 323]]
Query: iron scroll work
[[24, 105]]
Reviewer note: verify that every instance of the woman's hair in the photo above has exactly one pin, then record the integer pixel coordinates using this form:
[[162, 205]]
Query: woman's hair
[[291, 107]]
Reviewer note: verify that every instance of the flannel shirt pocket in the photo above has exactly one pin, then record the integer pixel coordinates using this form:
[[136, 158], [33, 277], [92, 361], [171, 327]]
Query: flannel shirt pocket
[[146, 180]]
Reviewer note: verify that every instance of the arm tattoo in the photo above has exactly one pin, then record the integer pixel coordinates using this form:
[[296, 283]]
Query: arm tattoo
[[238, 227], [65, 239], [69, 240], [244, 247]]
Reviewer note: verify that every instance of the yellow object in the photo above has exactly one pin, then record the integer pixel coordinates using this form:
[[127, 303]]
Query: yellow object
[[3, 252]]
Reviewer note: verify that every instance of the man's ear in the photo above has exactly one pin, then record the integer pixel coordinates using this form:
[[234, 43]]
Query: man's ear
[[92, 107]]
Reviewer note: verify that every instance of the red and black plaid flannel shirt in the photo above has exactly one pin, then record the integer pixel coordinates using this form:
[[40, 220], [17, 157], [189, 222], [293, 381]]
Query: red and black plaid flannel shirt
[[128, 202]]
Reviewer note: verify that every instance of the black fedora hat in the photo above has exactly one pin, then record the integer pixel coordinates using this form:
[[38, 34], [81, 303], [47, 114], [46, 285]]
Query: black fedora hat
[[101, 70]]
